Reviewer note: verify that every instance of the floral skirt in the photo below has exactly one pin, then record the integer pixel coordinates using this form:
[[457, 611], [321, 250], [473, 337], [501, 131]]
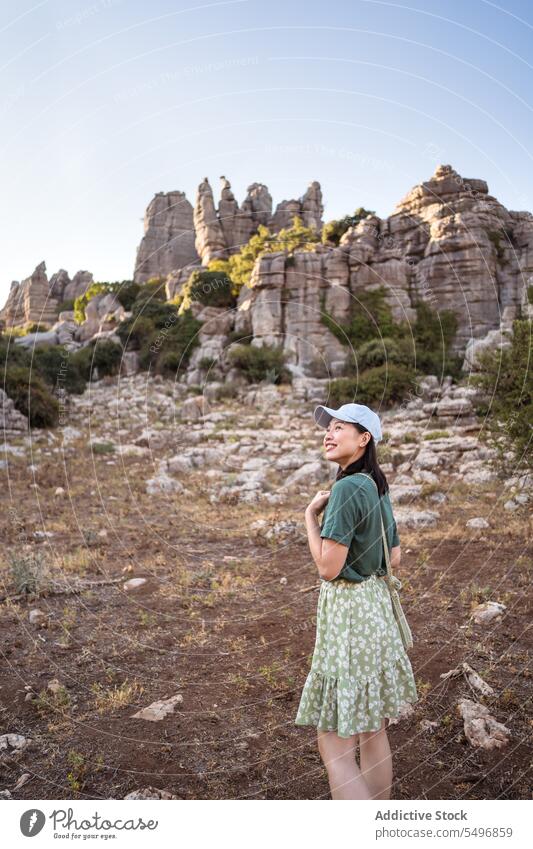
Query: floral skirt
[[360, 672]]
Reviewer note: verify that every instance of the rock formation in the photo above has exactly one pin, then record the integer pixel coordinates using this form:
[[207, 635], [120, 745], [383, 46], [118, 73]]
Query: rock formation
[[37, 299], [176, 236], [168, 240], [448, 243]]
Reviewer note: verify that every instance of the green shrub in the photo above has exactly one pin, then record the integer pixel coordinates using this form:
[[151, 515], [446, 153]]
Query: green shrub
[[11, 354], [135, 331], [371, 317], [82, 300], [258, 364], [102, 448], [104, 354], [238, 267], [385, 385], [159, 312], [126, 293], [436, 434], [433, 333], [57, 366], [168, 349], [375, 338], [34, 327], [378, 352], [153, 288], [212, 288], [238, 336], [332, 231], [506, 380], [31, 396]]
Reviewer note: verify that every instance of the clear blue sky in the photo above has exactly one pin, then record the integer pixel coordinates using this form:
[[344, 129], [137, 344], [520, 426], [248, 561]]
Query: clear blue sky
[[105, 102]]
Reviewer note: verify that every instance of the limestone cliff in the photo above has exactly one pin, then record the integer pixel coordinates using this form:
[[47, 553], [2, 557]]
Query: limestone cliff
[[36, 299], [168, 240], [178, 236], [448, 243]]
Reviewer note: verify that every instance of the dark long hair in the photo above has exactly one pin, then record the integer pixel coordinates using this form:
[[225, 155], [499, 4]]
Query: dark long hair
[[368, 463]]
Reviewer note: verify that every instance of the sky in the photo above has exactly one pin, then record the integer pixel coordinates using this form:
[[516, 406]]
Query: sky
[[103, 103]]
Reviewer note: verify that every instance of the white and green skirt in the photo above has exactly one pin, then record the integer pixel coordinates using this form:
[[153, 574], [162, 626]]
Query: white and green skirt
[[360, 672]]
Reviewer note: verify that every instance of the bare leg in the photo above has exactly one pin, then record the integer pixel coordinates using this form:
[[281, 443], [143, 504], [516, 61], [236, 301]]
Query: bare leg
[[338, 755], [376, 762]]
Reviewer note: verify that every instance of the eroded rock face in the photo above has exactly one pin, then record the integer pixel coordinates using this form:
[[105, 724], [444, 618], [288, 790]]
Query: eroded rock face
[[30, 301], [168, 240], [213, 231], [36, 299], [449, 243]]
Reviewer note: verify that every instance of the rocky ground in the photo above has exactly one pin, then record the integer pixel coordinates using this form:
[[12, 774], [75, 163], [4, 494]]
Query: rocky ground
[[171, 624]]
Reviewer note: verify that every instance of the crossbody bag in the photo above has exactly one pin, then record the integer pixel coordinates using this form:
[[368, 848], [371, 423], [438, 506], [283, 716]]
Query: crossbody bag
[[394, 584]]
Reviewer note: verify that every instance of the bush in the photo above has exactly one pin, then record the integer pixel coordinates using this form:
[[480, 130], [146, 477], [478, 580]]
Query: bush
[[378, 352], [506, 379], [11, 354], [258, 364], [134, 332], [377, 339], [58, 366], [126, 293], [104, 354], [212, 288], [333, 231], [371, 317], [168, 349], [433, 333], [31, 396], [157, 311], [238, 267], [82, 300], [385, 385]]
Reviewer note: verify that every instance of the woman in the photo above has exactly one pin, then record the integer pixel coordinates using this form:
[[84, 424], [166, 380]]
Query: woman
[[360, 672]]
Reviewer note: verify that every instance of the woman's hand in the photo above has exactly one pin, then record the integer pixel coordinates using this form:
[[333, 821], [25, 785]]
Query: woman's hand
[[319, 502]]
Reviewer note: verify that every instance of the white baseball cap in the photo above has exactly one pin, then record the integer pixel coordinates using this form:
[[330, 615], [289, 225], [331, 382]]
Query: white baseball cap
[[357, 413]]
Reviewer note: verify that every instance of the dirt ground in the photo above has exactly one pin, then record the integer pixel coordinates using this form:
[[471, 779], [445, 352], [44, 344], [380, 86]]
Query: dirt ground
[[217, 624]]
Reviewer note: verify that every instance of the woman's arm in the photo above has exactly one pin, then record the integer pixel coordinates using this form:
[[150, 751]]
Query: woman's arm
[[329, 555], [395, 557]]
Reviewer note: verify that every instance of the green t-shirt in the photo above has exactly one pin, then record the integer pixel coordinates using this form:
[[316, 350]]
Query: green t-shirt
[[352, 517]]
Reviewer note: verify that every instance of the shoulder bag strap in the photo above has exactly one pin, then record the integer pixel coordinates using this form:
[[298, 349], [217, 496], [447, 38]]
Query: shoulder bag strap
[[393, 583]]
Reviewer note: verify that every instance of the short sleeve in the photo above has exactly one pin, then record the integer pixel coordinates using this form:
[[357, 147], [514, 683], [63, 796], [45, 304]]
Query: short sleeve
[[343, 513]]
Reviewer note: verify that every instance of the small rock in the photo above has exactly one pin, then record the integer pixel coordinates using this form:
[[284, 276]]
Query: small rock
[[134, 584], [13, 743], [510, 505], [37, 617], [428, 725], [59, 491], [438, 497], [481, 729], [54, 686], [159, 710], [163, 483], [478, 522], [406, 710], [150, 793], [283, 580], [415, 518], [24, 778], [5, 794], [487, 612]]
